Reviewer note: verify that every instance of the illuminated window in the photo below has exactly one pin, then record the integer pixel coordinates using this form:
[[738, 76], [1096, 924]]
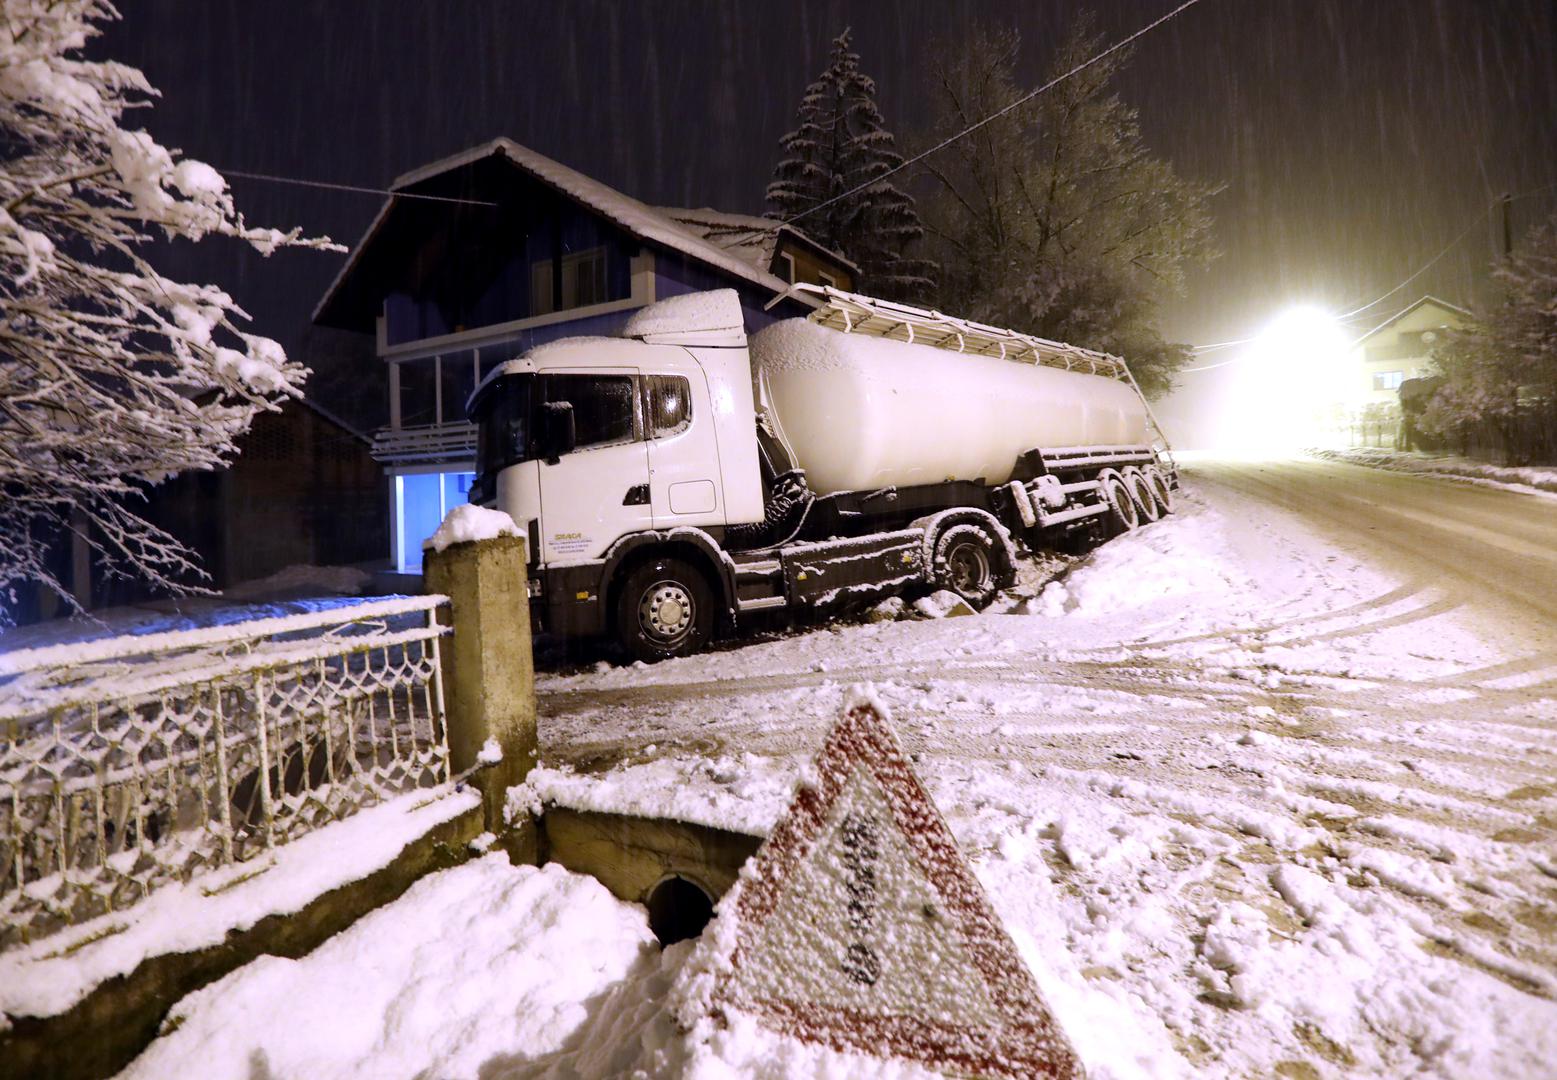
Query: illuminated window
[[1388, 380]]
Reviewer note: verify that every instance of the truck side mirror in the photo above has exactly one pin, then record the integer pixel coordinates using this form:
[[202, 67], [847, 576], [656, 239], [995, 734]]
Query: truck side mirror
[[559, 431]]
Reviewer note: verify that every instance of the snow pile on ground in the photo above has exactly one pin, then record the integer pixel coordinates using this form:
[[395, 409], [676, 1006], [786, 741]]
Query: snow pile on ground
[[475, 972], [50, 976], [468, 523], [303, 580], [1529, 479], [1182, 555]]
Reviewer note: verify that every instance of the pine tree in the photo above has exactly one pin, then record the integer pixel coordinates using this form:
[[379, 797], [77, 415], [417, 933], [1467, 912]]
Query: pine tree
[[112, 376], [840, 144]]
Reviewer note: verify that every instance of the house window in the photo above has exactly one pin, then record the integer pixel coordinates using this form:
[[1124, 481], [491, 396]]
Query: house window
[[583, 282], [1388, 380], [785, 266], [825, 278]]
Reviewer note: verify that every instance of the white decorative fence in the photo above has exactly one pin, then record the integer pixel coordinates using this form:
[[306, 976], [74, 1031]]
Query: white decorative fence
[[131, 762]]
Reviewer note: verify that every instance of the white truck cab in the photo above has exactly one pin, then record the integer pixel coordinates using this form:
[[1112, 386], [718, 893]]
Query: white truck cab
[[588, 442]]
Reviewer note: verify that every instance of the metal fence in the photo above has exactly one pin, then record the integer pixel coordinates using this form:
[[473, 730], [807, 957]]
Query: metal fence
[[132, 762]]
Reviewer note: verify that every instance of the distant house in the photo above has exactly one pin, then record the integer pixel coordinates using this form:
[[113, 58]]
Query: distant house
[[1399, 349], [486, 254]]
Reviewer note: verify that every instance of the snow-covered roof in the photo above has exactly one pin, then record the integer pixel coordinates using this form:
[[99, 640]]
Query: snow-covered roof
[[752, 238], [637, 218], [1403, 312]]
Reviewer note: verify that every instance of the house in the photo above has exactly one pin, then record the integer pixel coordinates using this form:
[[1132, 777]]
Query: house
[[481, 256], [1399, 349], [303, 490]]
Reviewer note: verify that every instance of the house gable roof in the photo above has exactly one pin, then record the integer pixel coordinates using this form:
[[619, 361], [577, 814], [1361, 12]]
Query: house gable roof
[[1401, 314], [755, 239], [640, 220]]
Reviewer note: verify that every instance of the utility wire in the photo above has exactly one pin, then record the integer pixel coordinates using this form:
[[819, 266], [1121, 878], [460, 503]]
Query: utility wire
[[327, 186], [971, 128]]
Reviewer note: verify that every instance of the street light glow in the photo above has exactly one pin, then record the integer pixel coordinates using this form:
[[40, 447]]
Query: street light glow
[[1292, 388]]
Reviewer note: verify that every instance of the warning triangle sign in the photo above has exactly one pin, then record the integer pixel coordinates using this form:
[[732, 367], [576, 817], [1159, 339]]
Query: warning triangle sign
[[860, 926]]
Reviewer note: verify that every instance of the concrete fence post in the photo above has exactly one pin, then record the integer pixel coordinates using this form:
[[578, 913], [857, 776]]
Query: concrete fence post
[[488, 671]]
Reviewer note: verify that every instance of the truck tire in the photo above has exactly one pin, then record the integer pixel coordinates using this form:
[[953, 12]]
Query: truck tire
[[970, 561], [665, 608], [1161, 490], [1141, 493], [1122, 516]]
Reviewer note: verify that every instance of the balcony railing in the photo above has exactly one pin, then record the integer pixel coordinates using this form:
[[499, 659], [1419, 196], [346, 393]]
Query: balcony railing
[[426, 443]]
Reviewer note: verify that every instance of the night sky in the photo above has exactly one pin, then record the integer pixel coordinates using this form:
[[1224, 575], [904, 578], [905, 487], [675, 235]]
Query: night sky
[[1356, 139]]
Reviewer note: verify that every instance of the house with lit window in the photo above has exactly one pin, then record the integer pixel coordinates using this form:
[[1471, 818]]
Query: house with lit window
[[477, 258], [1398, 349]]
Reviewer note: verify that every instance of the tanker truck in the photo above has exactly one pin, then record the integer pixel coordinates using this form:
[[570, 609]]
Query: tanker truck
[[681, 480]]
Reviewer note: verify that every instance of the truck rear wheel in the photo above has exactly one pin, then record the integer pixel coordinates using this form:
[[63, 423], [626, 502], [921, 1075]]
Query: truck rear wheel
[[1141, 492], [970, 562], [665, 608], [1122, 515], [1161, 489]]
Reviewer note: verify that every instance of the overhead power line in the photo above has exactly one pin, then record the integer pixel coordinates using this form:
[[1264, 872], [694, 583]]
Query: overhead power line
[[997, 114], [355, 188]]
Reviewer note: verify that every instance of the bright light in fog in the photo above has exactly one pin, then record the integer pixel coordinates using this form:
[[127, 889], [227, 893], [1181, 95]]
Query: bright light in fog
[[1292, 388]]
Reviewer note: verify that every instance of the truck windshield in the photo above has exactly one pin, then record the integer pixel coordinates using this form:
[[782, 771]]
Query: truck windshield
[[502, 414]]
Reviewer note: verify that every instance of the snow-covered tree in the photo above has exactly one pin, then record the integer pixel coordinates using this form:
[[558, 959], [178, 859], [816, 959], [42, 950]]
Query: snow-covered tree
[[112, 376], [1055, 219], [840, 144], [1500, 371]]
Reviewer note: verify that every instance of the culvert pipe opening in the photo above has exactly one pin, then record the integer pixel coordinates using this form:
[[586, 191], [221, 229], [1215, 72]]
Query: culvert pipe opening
[[678, 910]]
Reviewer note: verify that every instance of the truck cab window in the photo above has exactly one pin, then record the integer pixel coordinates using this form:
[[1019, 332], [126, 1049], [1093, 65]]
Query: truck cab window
[[602, 406], [503, 415], [670, 405]]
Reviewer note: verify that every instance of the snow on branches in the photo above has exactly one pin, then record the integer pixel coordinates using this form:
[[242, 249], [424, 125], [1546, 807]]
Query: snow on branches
[[841, 143], [112, 377]]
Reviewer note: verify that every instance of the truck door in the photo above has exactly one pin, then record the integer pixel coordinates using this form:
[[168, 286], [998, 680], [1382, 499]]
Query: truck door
[[684, 485], [599, 491]]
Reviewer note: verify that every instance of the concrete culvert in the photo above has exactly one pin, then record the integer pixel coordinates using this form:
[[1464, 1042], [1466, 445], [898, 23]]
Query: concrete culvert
[[678, 910]]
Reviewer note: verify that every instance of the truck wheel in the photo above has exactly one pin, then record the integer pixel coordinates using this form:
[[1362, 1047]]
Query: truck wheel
[[665, 608], [1160, 490], [970, 562], [1141, 494], [1122, 515]]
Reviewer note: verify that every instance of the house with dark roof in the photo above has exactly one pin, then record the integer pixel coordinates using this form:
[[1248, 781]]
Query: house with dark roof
[[474, 259]]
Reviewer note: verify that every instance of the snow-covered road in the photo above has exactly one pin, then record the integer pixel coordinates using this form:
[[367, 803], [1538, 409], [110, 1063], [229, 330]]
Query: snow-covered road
[[1286, 809], [1250, 800]]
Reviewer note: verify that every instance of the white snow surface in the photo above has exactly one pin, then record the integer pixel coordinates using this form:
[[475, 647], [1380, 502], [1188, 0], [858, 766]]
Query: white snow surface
[[474, 972], [1267, 812], [1525, 478], [468, 523], [1263, 807], [717, 309], [50, 976]]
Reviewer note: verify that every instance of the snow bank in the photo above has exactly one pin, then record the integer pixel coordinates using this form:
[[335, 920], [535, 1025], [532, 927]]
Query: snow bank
[[1530, 480], [475, 971], [467, 523], [52, 975], [702, 312], [1182, 555]]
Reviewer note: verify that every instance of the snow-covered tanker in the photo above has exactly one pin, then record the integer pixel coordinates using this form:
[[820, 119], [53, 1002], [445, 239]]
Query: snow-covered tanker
[[680, 479]]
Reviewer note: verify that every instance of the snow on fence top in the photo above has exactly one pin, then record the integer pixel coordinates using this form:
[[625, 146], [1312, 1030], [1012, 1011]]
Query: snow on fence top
[[855, 313], [131, 762]]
